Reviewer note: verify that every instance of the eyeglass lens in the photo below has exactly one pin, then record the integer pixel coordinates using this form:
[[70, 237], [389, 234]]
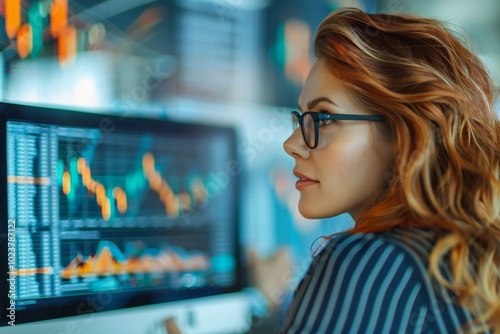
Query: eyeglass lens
[[307, 127], [295, 120]]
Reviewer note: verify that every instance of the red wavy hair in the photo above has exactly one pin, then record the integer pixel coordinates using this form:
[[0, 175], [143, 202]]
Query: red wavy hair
[[437, 99]]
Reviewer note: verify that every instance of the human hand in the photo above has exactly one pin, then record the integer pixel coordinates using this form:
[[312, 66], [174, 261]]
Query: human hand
[[269, 275], [171, 326]]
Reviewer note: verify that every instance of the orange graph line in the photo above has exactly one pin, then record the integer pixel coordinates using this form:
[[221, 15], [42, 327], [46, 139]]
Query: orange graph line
[[58, 17], [12, 17], [31, 271], [95, 187], [44, 181], [173, 203], [121, 199], [104, 264]]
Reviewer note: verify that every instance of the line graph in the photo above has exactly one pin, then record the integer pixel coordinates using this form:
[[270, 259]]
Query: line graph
[[110, 260]]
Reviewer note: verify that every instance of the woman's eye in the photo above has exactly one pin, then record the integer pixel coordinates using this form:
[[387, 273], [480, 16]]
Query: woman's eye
[[325, 122]]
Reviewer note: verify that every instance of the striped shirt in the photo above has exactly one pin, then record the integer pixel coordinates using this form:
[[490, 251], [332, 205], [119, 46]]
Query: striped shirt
[[374, 283]]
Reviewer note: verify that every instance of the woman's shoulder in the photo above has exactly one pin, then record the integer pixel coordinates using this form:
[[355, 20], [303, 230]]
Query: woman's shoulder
[[395, 259], [413, 244], [356, 276]]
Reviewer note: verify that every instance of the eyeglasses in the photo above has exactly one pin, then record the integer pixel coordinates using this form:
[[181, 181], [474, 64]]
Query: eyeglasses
[[310, 122]]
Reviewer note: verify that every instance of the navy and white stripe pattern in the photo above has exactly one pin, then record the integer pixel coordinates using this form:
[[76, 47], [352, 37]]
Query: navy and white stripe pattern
[[374, 283]]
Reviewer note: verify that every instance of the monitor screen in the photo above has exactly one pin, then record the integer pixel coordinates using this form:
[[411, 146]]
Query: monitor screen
[[104, 212]]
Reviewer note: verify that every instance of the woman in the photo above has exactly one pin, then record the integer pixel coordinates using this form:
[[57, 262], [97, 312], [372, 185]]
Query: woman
[[398, 129]]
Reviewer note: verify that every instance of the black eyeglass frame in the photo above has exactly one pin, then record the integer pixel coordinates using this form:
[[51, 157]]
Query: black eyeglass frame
[[298, 118]]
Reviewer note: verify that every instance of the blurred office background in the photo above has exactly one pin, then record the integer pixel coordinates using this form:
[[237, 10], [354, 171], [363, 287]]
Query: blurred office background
[[235, 62]]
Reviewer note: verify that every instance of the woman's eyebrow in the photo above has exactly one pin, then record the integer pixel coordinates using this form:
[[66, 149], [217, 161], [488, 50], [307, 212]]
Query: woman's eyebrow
[[311, 104]]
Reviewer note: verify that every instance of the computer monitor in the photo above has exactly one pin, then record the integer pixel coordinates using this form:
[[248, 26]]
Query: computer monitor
[[105, 213]]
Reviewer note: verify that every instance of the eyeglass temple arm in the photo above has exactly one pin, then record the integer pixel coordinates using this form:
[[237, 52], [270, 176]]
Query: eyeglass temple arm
[[350, 117]]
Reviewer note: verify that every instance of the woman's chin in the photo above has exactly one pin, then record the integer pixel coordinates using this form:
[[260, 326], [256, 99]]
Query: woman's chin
[[305, 209], [310, 211]]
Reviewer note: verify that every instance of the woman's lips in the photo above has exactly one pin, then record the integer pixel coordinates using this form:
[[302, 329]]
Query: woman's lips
[[303, 181]]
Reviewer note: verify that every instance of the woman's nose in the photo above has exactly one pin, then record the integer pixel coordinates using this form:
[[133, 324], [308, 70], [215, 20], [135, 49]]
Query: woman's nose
[[296, 146]]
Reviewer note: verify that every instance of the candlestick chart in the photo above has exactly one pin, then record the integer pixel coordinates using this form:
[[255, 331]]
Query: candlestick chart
[[128, 178]]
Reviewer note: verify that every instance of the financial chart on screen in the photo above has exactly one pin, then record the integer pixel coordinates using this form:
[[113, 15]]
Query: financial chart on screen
[[144, 210]]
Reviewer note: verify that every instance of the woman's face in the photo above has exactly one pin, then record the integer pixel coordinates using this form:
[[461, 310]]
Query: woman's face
[[346, 170]]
